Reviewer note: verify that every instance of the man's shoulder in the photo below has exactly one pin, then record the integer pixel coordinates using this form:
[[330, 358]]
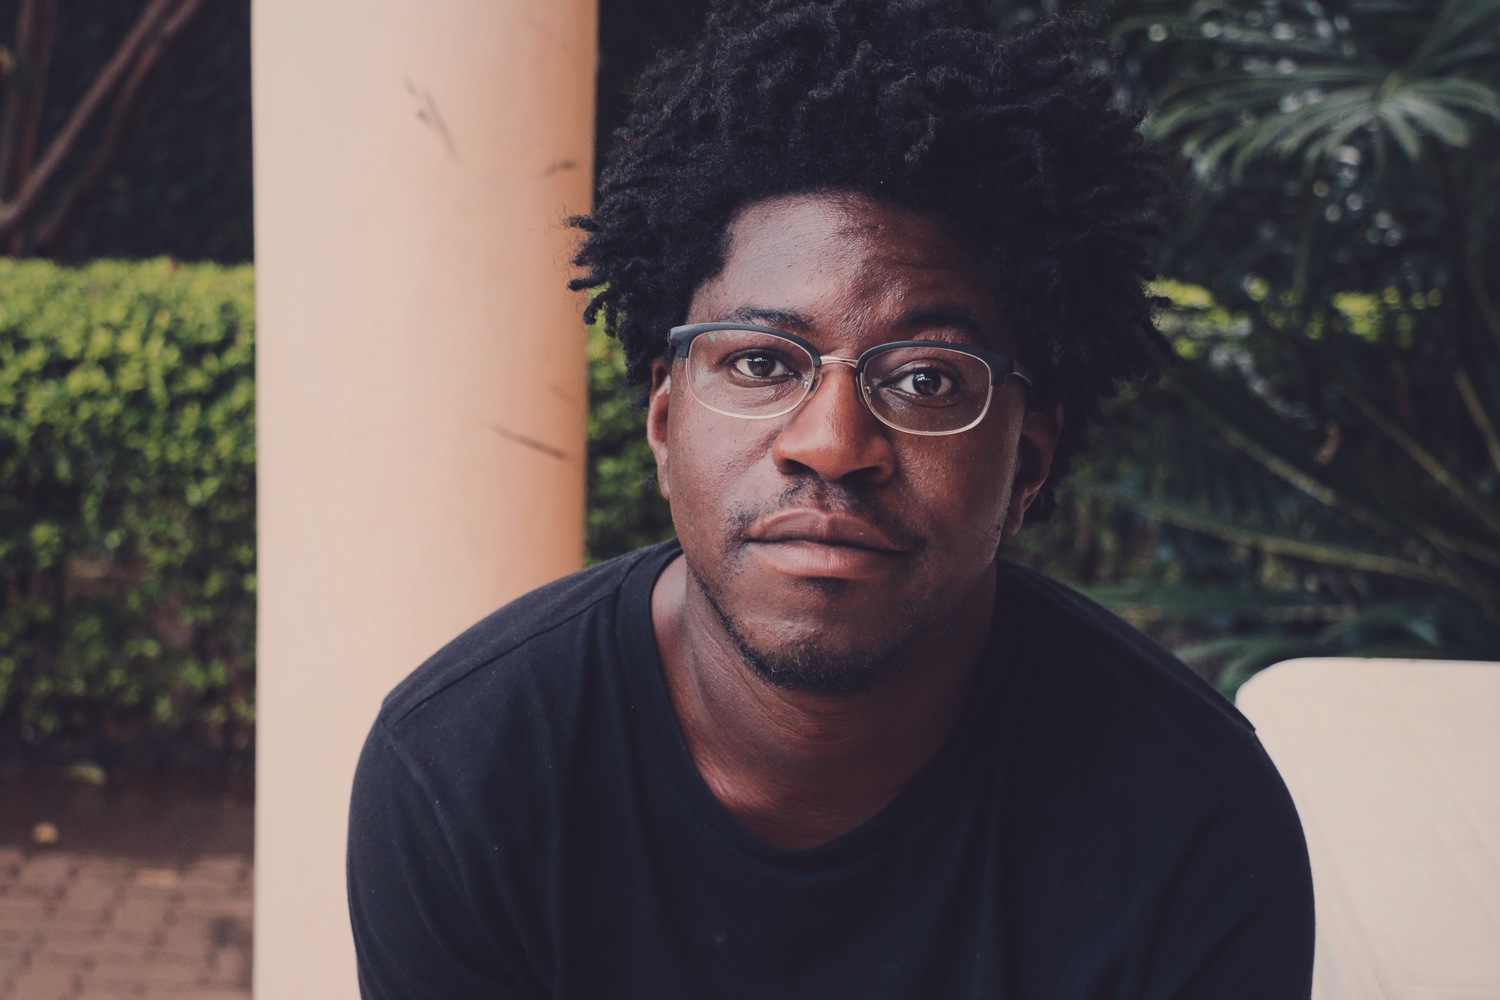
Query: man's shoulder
[[514, 713], [551, 627], [1123, 744], [1090, 656]]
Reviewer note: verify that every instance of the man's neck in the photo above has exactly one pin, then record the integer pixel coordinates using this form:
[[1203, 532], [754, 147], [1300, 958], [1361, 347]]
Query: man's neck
[[797, 768]]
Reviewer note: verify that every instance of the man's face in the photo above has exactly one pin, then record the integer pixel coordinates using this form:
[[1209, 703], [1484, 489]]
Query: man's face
[[827, 544]]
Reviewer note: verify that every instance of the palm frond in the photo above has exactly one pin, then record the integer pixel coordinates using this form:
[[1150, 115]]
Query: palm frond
[[1157, 602], [1319, 96], [1360, 486], [1210, 522], [1422, 115], [1463, 31]]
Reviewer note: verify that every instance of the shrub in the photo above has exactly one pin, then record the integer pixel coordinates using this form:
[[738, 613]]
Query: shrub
[[625, 508], [127, 520]]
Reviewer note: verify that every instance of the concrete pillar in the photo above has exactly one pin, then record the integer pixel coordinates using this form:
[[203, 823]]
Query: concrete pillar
[[421, 386]]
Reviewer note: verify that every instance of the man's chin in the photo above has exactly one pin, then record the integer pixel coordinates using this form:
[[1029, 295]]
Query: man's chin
[[813, 674], [806, 666]]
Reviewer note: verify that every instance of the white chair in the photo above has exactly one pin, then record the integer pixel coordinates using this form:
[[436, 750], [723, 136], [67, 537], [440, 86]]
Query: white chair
[[1395, 769]]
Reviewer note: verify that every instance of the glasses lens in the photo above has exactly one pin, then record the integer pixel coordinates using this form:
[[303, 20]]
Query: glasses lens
[[748, 373], [927, 390]]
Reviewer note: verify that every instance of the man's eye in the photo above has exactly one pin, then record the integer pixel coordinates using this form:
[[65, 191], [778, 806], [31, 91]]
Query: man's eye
[[759, 366], [926, 382]]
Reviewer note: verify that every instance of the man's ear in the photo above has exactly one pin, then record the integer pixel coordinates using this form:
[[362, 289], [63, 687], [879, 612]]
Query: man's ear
[[658, 406], [1039, 432]]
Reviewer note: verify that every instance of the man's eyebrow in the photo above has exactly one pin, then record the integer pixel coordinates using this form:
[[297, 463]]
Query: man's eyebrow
[[781, 319], [956, 317], [917, 320]]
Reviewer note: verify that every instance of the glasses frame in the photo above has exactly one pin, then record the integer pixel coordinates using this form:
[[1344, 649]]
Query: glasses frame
[[1000, 366]]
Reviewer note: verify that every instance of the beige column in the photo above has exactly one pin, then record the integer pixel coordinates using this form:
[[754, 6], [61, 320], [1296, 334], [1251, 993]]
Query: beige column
[[421, 386]]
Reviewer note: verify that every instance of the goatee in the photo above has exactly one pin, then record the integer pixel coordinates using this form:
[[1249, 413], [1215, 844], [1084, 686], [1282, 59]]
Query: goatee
[[804, 668]]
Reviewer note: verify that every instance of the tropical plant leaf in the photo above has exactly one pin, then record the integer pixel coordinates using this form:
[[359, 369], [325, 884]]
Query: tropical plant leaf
[[1210, 522], [1354, 484], [1319, 90], [1190, 601], [1347, 457], [1449, 43], [1424, 114]]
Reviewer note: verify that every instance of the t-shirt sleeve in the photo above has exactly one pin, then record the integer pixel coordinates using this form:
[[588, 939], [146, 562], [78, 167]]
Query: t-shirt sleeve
[[417, 932], [1238, 921]]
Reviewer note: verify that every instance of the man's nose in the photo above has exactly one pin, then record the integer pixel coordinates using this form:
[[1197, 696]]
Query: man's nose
[[833, 433]]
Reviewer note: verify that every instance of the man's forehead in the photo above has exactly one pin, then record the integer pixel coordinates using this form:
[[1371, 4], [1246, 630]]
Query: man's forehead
[[800, 261]]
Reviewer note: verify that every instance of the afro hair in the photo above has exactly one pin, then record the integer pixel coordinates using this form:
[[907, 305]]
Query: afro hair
[[1017, 143]]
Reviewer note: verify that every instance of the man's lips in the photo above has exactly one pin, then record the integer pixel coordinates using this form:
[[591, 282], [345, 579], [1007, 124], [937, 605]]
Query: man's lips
[[814, 544]]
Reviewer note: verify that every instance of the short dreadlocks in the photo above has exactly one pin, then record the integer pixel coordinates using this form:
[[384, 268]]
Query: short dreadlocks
[[1016, 143]]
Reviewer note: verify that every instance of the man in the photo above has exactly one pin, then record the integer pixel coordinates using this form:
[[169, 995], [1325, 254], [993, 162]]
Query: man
[[878, 269]]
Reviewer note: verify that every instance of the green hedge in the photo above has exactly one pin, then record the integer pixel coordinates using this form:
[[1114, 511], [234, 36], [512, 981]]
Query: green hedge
[[625, 508], [127, 521], [127, 517]]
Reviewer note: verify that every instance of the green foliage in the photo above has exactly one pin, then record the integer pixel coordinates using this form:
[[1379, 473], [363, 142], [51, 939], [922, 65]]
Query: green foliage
[[625, 508], [127, 532], [1333, 427], [1282, 520], [1312, 82]]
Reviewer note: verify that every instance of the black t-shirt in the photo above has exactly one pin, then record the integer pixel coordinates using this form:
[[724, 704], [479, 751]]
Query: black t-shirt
[[527, 822]]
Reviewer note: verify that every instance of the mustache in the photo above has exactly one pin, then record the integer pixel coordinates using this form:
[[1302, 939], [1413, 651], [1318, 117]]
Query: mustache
[[833, 499]]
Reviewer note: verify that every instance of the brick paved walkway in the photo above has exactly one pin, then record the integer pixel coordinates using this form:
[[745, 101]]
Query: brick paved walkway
[[146, 893]]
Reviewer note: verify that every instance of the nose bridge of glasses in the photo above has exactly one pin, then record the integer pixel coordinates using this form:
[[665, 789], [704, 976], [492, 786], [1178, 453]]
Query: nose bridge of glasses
[[862, 390], [860, 384], [831, 408]]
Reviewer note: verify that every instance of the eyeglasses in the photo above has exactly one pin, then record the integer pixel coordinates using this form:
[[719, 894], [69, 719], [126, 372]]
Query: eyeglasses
[[917, 386]]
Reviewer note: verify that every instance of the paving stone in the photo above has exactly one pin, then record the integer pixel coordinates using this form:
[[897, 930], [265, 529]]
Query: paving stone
[[178, 957], [93, 892], [67, 913], [146, 897], [194, 989], [11, 859], [189, 941], [208, 916], [221, 868], [44, 982], [52, 936], [140, 915], [15, 937], [12, 960], [107, 986], [64, 956], [48, 872], [129, 937], [157, 879], [196, 894], [105, 871], [24, 911]]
